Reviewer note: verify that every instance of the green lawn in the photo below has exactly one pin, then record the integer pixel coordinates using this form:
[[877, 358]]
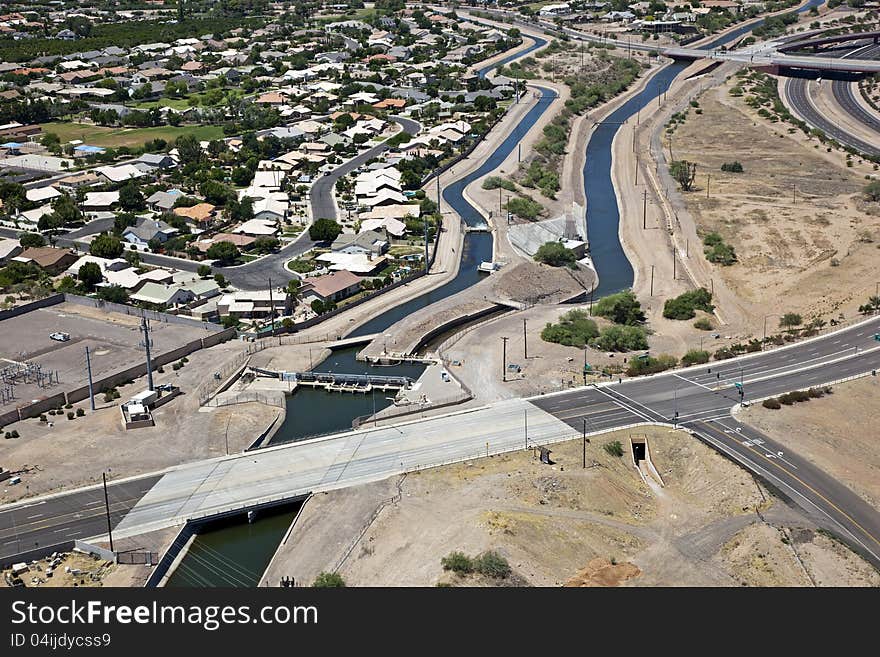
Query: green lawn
[[173, 103], [113, 137]]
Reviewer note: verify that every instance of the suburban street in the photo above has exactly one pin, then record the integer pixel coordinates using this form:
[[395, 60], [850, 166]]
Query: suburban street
[[702, 396]]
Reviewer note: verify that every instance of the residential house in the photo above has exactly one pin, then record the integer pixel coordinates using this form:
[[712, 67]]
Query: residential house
[[163, 201], [366, 242], [9, 248], [48, 258], [201, 214], [332, 287], [146, 230], [163, 295]]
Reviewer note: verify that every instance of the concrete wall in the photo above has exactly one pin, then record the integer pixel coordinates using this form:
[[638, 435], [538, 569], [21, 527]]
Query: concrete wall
[[140, 312], [33, 305], [36, 553]]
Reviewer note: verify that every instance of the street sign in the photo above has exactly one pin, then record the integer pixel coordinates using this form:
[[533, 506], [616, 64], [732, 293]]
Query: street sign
[[587, 368], [738, 385], [877, 337]]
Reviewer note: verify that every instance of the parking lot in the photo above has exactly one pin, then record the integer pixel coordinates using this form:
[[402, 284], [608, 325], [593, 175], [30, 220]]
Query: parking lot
[[114, 341]]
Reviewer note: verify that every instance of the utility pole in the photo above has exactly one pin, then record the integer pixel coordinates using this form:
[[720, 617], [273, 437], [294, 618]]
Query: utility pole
[[91, 390], [525, 341], [673, 263], [107, 506], [592, 289], [271, 307], [645, 210], [637, 170], [794, 194], [504, 358], [425, 220], [652, 280], [526, 425], [708, 178], [145, 328], [518, 153], [500, 203], [438, 195], [585, 442]]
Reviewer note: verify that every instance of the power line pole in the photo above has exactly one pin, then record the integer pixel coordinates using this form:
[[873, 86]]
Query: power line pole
[[91, 390], [426, 244], [708, 178], [652, 280], [107, 506], [673, 263], [525, 341], [271, 307], [645, 210], [145, 328], [438, 194], [504, 358], [585, 442]]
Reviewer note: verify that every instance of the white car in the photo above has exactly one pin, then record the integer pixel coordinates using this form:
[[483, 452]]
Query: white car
[[60, 337]]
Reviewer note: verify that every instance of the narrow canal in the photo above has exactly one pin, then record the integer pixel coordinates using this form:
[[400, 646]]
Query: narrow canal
[[236, 554]]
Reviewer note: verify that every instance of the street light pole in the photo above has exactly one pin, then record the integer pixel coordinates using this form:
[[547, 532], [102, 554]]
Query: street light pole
[[107, 508], [585, 442], [504, 358]]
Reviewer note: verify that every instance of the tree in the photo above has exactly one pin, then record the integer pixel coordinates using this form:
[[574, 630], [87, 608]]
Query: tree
[[31, 240], [90, 275], [324, 230], [684, 173], [574, 329], [113, 293], [326, 580], [556, 255], [106, 245], [621, 308], [685, 305], [622, 338], [872, 191], [188, 148], [204, 271], [220, 279], [130, 197], [223, 252], [293, 286], [790, 320], [265, 244]]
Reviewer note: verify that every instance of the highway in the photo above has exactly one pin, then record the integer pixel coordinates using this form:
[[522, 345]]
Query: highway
[[698, 399], [845, 95], [797, 96]]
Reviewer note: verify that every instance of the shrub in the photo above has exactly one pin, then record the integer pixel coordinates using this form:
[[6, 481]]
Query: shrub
[[695, 357], [771, 403], [621, 308], [685, 305], [556, 255], [492, 564], [80, 412], [622, 338], [458, 562], [642, 366], [70, 415], [732, 167], [574, 329], [494, 182], [614, 448], [525, 208], [326, 580], [68, 406], [703, 324], [43, 417]]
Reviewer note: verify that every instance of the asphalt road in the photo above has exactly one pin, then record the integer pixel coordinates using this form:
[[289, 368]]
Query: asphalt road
[[797, 93], [845, 96], [702, 397], [68, 517]]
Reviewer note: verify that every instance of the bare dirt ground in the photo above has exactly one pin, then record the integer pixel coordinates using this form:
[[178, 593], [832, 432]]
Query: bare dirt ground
[[561, 524], [838, 433], [75, 452], [796, 218]]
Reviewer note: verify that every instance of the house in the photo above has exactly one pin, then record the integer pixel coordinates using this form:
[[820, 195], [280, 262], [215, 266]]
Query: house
[[100, 200], [9, 248], [42, 194], [120, 173], [391, 226], [367, 242], [200, 214], [106, 264], [258, 228], [163, 295], [358, 263], [157, 160], [269, 210], [241, 241], [48, 258], [163, 201], [254, 304], [146, 230], [332, 287]]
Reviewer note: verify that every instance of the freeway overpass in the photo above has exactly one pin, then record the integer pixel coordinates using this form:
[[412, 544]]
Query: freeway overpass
[[698, 399]]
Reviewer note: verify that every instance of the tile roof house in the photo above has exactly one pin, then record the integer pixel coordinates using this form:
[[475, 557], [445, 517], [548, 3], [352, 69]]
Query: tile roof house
[[48, 258], [332, 287], [199, 214]]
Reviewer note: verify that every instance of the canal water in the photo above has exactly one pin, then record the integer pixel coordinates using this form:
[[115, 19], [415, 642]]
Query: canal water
[[237, 554], [233, 552]]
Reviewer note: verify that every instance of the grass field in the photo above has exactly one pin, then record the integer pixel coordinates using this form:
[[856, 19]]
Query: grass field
[[113, 137], [173, 103]]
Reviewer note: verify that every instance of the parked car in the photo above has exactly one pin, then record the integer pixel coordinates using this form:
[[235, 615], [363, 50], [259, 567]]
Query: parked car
[[60, 337]]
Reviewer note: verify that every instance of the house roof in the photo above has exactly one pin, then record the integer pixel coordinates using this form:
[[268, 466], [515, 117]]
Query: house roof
[[326, 286], [45, 256], [198, 212]]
